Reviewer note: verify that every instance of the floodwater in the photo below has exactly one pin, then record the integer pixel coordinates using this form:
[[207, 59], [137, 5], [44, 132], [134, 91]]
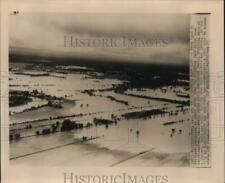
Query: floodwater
[[117, 143], [69, 86]]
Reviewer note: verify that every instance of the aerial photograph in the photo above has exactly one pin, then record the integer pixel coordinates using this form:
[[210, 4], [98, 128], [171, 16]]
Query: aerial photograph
[[99, 89]]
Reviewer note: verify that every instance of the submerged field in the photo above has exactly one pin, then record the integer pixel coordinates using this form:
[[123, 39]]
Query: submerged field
[[112, 118]]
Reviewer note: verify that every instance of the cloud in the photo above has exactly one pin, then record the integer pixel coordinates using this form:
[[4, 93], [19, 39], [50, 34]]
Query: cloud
[[46, 31]]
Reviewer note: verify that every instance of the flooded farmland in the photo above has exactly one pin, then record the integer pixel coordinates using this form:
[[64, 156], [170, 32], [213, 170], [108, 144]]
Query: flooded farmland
[[71, 115]]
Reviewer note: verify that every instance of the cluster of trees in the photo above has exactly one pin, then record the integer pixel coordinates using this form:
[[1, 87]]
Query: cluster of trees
[[89, 92], [88, 125], [122, 87], [14, 137], [17, 98], [70, 125], [46, 131], [99, 121], [184, 103], [143, 114]]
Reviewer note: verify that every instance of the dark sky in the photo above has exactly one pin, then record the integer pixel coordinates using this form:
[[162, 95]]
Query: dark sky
[[43, 33]]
